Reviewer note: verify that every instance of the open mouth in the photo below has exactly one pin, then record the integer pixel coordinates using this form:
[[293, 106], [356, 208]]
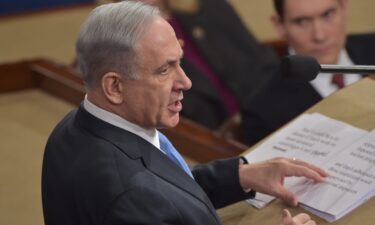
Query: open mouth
[[175, 107]]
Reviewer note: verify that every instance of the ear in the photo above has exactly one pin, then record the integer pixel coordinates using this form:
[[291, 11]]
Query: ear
[[278, 24], [112, 87]]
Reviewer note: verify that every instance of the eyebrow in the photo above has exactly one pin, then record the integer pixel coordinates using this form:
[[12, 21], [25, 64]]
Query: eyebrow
[[332, 9], [298, 18], [169, 62]]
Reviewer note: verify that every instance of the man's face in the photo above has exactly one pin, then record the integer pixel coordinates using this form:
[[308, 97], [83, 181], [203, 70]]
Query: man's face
[[154, 100], [315, 28]]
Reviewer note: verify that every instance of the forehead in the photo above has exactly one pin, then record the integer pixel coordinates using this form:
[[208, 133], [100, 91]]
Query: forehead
[[298, 8], [159, 41]]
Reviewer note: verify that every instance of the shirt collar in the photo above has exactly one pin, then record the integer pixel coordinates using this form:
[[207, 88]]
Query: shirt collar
[[150, 135], [343, 58], [322, 83]]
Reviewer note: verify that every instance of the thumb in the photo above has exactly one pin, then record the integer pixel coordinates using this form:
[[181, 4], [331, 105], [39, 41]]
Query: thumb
[[287, 196], [287, 217], [286, 214]]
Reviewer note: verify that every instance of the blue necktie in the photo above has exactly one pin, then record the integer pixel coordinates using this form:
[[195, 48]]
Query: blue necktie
[[173, 154]]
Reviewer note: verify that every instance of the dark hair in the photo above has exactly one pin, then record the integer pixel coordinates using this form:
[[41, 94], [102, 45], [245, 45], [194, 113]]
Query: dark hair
[[279, 7]]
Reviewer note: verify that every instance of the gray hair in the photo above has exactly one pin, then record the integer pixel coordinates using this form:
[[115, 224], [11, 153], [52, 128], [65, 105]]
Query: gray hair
[[108, 38]]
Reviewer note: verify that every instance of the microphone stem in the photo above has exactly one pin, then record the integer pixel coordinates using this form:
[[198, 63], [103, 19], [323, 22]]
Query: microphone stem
[[357, 69]]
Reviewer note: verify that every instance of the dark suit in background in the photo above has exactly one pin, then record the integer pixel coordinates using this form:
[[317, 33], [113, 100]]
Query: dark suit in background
[[96, 173], [282, 100], [237, 58]]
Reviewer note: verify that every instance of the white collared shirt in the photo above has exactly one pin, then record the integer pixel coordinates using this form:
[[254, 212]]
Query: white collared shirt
[[322, 83], [150, 135]]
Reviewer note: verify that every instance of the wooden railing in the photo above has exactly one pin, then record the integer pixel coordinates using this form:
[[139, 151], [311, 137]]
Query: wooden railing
[[279, 46], [193, 140]]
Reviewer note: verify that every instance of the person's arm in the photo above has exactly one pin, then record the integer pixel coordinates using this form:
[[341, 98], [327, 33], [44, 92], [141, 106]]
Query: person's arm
[[142, 205], [220, 180]]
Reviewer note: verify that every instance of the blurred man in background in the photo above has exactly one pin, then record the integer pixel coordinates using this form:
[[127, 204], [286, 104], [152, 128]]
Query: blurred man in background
[[315, 28]]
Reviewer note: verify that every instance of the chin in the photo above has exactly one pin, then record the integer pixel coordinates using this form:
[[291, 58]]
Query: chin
[[330, 57], [170, 122], [327, 60], [174, 122]]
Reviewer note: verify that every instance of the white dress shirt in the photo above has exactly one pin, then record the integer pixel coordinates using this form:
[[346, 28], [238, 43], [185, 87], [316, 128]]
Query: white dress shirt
[[150, 135], [322, 83]]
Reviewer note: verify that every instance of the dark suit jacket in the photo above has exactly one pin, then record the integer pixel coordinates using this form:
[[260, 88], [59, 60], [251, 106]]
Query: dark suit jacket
[[96, 173], [237, 58], [282, 100]]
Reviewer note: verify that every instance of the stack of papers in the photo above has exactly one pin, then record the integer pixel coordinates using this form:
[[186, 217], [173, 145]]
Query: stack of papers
[[347, 153]]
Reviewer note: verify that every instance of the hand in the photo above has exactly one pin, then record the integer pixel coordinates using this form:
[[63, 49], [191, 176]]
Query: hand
[[299, 219], [268, 177]]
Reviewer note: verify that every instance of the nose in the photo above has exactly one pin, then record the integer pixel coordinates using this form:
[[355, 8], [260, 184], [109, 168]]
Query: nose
[[183, 82], [318, 31]]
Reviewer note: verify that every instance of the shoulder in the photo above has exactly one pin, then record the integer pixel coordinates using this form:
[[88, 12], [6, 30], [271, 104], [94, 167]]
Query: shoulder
[[361, 48], [357, 38]]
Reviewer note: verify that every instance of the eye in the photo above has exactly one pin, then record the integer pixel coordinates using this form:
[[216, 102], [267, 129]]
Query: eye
[[302, 22], [164, 70], [329, 14]]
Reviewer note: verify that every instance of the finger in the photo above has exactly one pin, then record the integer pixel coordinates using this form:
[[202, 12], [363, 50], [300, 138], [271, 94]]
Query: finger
[[311, 222], [286, 196], [303, 171], [302, 218], [287, 216], [322, 172]]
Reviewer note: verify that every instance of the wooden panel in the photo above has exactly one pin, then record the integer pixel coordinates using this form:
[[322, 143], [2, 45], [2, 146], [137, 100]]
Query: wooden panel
[[58, 80], [15, 76], [202, 144], [354, 105], [194, 141], [279, 46]]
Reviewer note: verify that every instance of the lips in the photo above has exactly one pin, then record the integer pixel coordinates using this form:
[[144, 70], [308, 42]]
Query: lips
[[175, 106], [327, 56], [322, 50]]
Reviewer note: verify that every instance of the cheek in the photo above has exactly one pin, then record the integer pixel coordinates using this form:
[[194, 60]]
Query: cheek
[[339, 33], [160, 98], [299, 39], [159, 95], [166, 99]]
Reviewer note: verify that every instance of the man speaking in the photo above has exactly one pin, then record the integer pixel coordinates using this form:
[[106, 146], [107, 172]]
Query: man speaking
[[107, 162]]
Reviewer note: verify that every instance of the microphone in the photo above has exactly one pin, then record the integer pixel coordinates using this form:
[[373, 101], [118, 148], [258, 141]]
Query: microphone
[[306, 68]]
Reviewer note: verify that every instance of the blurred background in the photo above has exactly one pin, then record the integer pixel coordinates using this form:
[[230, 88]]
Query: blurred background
[[32, 29], [52, 33]]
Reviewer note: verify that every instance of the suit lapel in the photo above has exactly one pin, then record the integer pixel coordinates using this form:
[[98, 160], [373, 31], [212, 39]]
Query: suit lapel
[[159, 164], [136, 147]]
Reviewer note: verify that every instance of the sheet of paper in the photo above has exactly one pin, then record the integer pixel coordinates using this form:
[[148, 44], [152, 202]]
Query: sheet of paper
[[351, 181], [314, 138]]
